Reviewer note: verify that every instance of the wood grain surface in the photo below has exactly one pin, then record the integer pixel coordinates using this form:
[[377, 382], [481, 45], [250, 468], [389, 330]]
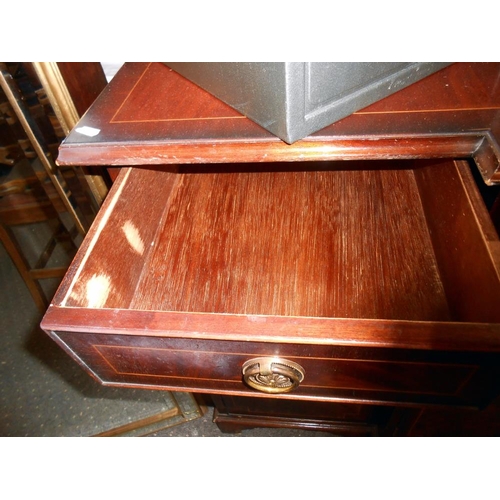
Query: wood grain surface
[[295, 243], [151, 115], [298, 255]]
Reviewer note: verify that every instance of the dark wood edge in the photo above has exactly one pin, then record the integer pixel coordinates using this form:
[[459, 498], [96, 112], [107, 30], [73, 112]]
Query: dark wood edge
[[482, 148], [236, 423], [424, 335], [487, 159], [312, 149]]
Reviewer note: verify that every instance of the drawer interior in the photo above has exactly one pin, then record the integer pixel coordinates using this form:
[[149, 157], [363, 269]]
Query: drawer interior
[[394, 240]]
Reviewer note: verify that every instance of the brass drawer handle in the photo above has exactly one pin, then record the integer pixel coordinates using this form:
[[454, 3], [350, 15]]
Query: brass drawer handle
[[272, 375]]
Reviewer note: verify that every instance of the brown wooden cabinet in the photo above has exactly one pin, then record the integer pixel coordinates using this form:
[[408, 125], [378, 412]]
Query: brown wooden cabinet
[[293, 287]]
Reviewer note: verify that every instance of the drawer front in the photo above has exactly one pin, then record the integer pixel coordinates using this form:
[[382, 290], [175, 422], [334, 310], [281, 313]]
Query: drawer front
[[389, 376]]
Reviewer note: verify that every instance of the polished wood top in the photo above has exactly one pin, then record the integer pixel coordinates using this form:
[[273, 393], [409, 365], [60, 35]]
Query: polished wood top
[[149, 114]]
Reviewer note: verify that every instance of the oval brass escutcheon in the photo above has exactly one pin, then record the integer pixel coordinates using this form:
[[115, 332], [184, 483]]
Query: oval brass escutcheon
[[272, 375]]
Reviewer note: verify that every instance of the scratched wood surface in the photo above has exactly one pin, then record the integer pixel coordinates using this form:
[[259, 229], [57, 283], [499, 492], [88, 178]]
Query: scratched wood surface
[[295, 242]]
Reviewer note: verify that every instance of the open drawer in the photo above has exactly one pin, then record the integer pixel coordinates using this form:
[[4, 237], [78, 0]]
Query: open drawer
[[333, 281]]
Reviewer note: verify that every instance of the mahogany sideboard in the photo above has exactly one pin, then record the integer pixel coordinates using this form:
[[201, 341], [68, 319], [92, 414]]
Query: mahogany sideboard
[[349, 282]]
